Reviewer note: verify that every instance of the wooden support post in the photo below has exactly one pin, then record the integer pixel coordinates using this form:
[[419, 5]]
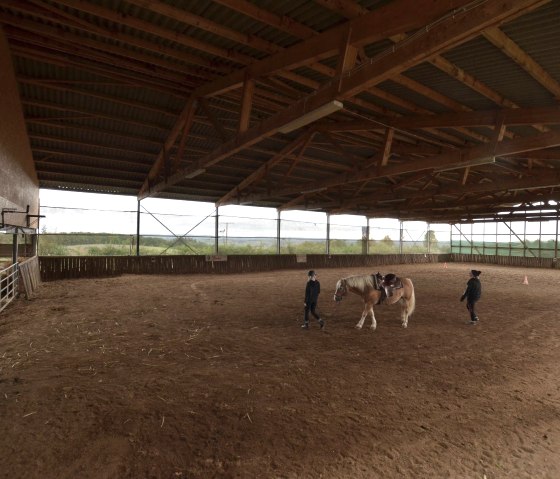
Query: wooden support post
[[348, 57], [246, 104], [386, 152]]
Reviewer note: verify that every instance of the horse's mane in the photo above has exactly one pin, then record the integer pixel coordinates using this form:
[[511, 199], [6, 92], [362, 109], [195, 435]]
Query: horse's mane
[[360, 282]]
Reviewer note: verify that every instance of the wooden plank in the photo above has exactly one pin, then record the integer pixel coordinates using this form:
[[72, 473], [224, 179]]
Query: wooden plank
[[29, 273]]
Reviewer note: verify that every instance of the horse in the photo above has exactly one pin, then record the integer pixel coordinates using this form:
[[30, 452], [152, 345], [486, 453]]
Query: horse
[[366, 286]]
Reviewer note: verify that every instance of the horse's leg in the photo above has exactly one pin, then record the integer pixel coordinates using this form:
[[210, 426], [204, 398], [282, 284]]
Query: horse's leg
[[373, 321], [373, 299], [404, 312], [363, 318]]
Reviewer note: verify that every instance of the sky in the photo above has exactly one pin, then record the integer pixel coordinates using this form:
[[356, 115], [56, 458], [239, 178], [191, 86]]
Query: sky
[[67, 211]]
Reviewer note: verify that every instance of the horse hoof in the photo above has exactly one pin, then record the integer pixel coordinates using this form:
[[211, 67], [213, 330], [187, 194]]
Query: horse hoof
[[404, 325], [358, 327]]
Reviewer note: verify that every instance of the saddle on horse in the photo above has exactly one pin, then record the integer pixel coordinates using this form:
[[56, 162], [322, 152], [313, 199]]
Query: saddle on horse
[[387, 284]]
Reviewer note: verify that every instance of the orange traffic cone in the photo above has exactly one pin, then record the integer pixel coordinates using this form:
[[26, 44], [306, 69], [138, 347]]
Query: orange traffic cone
[[525, 280]]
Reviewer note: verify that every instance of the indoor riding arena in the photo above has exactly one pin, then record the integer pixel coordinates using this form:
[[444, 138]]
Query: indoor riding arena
[[177, 175], [200, 376]]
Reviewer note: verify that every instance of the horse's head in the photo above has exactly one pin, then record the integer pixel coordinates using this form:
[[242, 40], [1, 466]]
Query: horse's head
[[340, 290]]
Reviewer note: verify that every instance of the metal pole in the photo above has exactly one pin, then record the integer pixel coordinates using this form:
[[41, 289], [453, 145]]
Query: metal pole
[[367, 236], [138, 229], [497, 238], [483, 238], [540, 238], [522, 241], [429, 237], [401, 233], [556, 242], [328, 245], [278, 232], [525, 236], [15, 247], [510, 233], [216, 232], [34, 250]]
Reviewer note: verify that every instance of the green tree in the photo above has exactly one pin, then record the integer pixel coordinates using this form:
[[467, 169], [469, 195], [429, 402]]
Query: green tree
[[388, 241], [430, 239]]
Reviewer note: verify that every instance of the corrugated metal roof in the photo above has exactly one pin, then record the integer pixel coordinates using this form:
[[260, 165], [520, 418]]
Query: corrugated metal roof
[[103, 84], [497, 71]]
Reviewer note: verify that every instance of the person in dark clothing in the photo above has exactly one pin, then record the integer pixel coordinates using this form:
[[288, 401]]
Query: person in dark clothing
[[312, 290], [472, 294]]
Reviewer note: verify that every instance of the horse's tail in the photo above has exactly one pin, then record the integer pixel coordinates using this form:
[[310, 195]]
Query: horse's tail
[[411, 300]]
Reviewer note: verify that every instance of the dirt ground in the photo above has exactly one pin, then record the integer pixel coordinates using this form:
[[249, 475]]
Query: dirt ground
[[210, 376]]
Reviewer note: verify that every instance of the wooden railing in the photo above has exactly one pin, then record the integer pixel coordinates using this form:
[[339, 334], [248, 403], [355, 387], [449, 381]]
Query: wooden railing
[[29, 276], [504, 260], [66, 267]]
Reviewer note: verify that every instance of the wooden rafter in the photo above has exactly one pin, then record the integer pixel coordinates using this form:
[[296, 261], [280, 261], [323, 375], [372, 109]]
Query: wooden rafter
[[444, 35], [261, 172], [453, 158], [545, 179], [511, 116], [246, 104], [511, 49], [105, 87]]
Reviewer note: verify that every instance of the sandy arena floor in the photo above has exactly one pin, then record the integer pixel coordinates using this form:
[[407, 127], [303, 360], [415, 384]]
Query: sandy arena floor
[[211, 377]]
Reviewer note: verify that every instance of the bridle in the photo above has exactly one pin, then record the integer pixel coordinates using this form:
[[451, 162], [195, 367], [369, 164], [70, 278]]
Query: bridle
[[340, 291]]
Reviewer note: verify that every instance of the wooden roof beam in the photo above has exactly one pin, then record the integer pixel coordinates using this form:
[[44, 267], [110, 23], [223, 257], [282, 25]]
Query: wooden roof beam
[[512, 50], [246, 104], [454, 159], [28, 25], [262, 170], [282, 23], [455, 30], [105, 116], [207, 25], [511, 117], [348, 55], [461, 75], [544, 180], [398, 16], [127, 78], [89, 56], [145, 26]]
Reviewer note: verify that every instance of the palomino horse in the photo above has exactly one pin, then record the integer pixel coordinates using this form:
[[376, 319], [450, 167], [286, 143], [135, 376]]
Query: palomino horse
[[366, 287]]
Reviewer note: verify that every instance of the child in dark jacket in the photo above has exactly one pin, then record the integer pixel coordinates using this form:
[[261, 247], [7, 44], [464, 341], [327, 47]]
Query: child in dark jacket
[[312, 290], [472, 294]]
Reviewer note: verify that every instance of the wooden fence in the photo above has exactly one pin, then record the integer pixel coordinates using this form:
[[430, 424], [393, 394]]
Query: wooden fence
[[504, 260], [65, 267], [29, 276]]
